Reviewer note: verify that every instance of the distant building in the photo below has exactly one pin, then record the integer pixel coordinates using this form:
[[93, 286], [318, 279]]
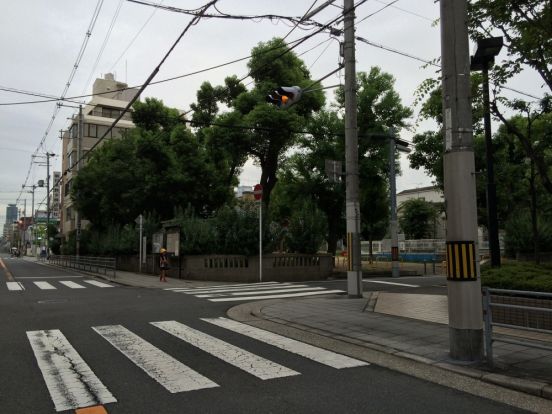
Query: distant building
[[245, 192], [431, 194], [105, 106], [11, 216]]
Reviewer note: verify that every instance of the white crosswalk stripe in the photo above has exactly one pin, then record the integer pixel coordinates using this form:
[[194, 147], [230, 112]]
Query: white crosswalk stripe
[[70, 381], [72, 384], [14, 286], [44, 285], [71, 284], [260, 367], [163, 368], [314, 353], [254, 291], [52, 285]]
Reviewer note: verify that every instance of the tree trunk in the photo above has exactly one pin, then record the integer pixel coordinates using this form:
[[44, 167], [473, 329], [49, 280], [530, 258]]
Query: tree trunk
[[534, 223]]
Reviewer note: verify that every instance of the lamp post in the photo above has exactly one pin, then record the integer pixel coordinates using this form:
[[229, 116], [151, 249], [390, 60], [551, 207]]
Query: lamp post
[[484, 56]]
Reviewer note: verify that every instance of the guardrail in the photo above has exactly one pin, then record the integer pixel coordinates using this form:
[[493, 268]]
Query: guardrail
[[537, 318], [100, 265]]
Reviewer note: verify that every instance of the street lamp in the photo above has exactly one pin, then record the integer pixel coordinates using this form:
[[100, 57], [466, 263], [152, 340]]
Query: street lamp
[[484, 56]]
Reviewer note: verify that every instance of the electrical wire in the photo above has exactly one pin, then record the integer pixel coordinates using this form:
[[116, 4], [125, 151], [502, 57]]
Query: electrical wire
[[135, 36], [68, 83], [104, 44]]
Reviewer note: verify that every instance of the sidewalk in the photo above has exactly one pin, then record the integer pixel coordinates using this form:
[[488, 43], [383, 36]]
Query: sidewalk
[[405, 325]]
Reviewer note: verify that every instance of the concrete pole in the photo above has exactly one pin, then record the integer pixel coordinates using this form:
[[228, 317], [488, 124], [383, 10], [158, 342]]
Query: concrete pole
[[140, 247], [393, 226], [464, 285], [352, 205], [492, 222], [79, 152], [33, 246], [47, 202]]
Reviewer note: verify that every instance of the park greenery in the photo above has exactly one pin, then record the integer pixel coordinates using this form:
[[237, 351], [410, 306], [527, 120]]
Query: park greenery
[[183, 169]]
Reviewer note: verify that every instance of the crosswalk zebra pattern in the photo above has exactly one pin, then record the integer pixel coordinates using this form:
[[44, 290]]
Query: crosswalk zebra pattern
[[254, 291], [72, 384], [50, 285]]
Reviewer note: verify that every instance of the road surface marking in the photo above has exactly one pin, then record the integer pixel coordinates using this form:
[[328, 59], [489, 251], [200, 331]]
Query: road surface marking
[[262, 292], [283, 295], [231, 287], [275, 289], [70, 381], [72, 285], [314, 353], [15, 286], [96, 283], [50, 277], [44, 285], [389, 283], [238, 289], [163, 368], [253, 364]]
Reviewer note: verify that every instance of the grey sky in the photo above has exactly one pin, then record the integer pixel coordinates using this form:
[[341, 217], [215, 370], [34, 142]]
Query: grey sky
[[41, 40]]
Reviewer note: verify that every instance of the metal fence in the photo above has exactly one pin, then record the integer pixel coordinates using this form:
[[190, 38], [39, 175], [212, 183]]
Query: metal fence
[[102, 265], [534, 314]]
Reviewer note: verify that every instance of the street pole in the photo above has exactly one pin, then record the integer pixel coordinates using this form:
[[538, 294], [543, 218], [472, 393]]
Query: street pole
[[260, 240], [33, 246], [140, 254], [464, 285], [393, 227], [47, 202], [352, 205], [77, 215], [25, 226], [494, 244]]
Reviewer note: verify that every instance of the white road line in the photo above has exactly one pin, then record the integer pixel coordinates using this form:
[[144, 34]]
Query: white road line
[[314, 353], [234, 287], [50, 277], [252, 289], [284, 295], [45, 285], [253, 364], [15, 286], [163, 368], [70, 381], [262, 292], [389, 283], [96, 283], [72, 285]]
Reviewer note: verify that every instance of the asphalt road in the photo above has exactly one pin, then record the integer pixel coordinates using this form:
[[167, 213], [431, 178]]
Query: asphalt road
[[45, 332]]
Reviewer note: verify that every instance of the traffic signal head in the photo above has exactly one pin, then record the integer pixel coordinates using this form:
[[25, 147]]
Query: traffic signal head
[[285, 96]]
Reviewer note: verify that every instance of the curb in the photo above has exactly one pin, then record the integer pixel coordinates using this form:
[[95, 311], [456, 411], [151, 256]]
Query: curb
[[251, 313]]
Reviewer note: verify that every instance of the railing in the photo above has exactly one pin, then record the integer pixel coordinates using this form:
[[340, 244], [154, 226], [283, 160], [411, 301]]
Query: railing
[[100, 265], [537, 318]]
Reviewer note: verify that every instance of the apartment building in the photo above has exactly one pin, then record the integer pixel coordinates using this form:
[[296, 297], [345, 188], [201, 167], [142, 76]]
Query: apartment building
[[110, 98]]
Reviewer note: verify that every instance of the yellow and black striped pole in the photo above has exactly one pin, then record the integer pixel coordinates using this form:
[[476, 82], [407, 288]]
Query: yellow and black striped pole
[[461, 261]]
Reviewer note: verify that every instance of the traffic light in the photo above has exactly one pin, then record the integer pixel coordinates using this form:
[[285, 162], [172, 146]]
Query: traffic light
[[285, 96]]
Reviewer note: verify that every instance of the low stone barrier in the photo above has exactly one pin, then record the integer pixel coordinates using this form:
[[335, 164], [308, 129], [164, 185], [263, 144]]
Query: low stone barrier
[[237, 268]]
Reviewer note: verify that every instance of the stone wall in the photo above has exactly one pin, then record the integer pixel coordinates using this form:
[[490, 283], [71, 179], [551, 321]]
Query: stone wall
[[235, 268]]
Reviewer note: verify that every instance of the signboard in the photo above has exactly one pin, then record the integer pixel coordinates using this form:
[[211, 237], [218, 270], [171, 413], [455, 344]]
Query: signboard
[[258, 192], [157, 242], [173, 242]]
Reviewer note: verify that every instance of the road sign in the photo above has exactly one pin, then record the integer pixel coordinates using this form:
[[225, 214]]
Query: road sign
[[258, 192]]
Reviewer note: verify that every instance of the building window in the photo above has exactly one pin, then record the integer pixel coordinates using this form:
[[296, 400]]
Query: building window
[[91, 130]]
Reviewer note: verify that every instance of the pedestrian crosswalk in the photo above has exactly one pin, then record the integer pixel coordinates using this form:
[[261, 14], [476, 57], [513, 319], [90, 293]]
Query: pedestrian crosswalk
[[72, 384], [54, 285], [254, 291]]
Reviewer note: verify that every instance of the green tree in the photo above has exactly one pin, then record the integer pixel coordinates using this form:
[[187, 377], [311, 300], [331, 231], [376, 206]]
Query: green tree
[[417, 217]]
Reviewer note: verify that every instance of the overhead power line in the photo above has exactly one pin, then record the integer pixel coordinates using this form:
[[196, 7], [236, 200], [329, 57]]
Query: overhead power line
[[68, 84]]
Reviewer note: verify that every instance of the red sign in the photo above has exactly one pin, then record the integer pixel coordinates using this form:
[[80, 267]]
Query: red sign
[[258, 192]]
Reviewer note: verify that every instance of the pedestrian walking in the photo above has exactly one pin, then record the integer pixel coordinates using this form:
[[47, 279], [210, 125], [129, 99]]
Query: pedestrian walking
[[163, 265]]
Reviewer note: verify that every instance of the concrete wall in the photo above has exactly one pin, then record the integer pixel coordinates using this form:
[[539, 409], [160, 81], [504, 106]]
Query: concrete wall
[[234, 268]]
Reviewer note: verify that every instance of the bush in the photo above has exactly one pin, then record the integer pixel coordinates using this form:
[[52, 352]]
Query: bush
[[518, 276], [307, 229]]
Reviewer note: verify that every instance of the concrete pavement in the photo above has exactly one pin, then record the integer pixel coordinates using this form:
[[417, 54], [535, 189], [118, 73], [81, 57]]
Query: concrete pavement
[[408, 326]]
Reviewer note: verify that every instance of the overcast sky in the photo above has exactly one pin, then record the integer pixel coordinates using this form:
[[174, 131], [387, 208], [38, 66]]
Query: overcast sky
[[41, 41]]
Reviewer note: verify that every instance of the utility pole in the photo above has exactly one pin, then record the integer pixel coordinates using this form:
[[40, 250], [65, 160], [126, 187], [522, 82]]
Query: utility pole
[[464, 285], [352, 205], [393, 227], [77, 214], [48, 155]]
